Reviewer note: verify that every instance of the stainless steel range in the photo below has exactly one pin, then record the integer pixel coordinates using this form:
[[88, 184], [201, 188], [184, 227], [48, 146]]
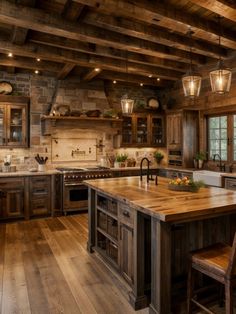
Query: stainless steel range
[[75, 192]]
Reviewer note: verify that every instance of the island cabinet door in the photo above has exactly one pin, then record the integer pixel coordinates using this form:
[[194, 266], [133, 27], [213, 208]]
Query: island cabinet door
[[126, 253]]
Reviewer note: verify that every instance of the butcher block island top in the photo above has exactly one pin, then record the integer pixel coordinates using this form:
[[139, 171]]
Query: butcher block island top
[[164, 204]]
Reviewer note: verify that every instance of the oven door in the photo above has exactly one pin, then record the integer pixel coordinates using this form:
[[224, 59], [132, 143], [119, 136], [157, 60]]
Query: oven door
[[75, 197]]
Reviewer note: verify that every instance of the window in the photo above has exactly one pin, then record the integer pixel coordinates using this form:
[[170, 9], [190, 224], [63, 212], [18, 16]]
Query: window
[[222, 136]]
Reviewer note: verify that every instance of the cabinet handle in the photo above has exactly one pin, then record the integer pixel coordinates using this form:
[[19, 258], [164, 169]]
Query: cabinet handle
[[40, 191], [126, 213], [40, 206]]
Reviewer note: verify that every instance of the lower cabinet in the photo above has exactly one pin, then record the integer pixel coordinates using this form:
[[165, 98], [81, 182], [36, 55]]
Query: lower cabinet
[[39, 195], [12, 198], [230, 183], [114, 234]]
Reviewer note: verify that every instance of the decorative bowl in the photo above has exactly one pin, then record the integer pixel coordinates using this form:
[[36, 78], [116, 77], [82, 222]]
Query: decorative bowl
[[183, 188]]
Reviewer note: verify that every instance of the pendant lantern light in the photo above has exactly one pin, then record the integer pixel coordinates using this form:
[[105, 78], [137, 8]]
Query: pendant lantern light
[[221, 76], [127, 103], [191, 80]]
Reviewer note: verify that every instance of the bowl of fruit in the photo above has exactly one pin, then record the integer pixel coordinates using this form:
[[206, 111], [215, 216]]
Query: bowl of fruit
[[185, 184]]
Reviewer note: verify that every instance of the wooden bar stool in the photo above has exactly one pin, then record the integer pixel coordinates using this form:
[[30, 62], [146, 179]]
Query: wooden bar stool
[[217, 261]]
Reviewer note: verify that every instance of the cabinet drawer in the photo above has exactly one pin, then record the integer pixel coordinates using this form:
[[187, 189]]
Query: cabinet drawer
[[12, 183], [230, 184], [40, 182], [126, 214], [40, 206]]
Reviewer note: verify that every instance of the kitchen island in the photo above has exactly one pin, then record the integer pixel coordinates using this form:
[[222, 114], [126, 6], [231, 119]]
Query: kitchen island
[[146, 231]]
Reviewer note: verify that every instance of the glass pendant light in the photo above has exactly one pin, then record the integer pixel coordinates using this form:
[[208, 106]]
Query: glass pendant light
[[191, 80], [221, 76], [127, 103]]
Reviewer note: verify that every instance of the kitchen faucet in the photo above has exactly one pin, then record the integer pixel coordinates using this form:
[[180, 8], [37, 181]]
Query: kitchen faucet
[[148, 169], [220, 165]]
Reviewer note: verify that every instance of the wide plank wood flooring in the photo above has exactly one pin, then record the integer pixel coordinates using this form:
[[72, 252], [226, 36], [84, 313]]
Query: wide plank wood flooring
[[45, 268]]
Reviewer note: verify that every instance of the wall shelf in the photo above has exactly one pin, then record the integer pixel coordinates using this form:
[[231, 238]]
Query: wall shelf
[[51, 121]]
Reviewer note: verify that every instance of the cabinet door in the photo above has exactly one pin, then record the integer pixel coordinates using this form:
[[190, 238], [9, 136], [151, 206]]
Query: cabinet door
[[157, 131], [174, 129], [16, 126], [40, 195], [141, 130], [126, 253], [2, 126], [12, 203], [127, 131]]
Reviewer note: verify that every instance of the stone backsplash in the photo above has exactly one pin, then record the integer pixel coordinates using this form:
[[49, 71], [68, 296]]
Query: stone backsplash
[[43, 91]]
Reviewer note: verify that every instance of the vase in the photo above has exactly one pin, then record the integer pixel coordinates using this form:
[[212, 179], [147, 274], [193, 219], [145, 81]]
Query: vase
[[200, 163]]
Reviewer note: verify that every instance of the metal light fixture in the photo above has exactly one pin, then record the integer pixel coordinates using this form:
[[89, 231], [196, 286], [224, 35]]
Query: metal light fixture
[[191, 80], [221, 76], [127, 103]]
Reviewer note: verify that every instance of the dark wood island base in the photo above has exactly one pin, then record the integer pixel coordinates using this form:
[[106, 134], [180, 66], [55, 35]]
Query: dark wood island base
[[146, 232]]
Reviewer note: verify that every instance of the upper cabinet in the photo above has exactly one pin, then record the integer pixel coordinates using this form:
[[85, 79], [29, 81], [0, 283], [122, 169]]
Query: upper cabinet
[[143, 130], [13, 121], [182, 137]]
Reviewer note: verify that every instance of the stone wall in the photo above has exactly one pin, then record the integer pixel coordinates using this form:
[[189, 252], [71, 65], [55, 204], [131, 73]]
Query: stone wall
[[43, 91]]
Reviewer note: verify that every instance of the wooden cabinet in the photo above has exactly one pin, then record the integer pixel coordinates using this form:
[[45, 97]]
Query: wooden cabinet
[[114, 234], [230, 183], [40, 195], [126, 219], [13, 121], [143, 130], [11, 198], [182, 137]]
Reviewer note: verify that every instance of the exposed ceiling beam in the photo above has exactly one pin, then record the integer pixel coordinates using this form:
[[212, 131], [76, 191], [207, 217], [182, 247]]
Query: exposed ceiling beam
[[114, 76], [90, 75], [159, 13], [67, 68], [221, 7], [37, 19], [88, 61], [154, 34], [75, 45], [25, 63], [72, 10]]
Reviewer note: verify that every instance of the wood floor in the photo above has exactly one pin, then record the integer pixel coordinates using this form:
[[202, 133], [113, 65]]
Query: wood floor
[[45, 268]]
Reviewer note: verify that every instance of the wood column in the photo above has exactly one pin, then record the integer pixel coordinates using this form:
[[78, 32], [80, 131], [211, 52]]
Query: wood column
[[161, 267], [91, 219]]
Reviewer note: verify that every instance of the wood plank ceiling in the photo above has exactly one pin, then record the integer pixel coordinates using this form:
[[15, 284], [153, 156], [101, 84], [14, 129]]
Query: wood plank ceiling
[[142, 41]]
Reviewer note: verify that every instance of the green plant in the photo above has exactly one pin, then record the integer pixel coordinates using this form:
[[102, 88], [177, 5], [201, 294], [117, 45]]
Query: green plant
[[200, 156], [121, 157], [158, 156]]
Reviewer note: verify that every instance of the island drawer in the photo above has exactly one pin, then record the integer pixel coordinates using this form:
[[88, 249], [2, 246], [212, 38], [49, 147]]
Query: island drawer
[[230, 184], [126, 214]]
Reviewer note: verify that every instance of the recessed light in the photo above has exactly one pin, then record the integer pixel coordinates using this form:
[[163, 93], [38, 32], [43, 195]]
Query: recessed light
[[38, 59], [97, 69], [10, 54], [141, 84], [158, 79], [36, 71], [150, 75], [114, 82]]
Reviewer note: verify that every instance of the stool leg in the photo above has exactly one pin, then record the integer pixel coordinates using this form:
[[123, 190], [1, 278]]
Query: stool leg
[[190, 288], [228, 298]]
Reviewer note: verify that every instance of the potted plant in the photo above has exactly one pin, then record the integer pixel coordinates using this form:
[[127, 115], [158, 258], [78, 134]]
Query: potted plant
[[120, 160], [158, 157], [200, 157]]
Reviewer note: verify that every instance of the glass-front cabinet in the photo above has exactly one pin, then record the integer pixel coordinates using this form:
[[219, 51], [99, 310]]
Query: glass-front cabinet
[[143, 130], [13, 125]]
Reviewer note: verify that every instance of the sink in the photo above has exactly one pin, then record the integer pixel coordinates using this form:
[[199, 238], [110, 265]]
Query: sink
[[212, 178]]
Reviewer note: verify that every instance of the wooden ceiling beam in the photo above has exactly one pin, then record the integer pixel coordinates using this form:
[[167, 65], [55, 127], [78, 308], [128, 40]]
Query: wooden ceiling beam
[[89, 61], [221, 7], [25, 63], [90, 75], [70, 44], [67, 68], [37, 19], [114, 76], [159, 13], [154, 33], [72, 10]]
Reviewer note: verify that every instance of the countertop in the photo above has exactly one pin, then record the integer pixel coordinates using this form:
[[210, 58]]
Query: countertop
[[154, 167], [166, 205], [27, 173]]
